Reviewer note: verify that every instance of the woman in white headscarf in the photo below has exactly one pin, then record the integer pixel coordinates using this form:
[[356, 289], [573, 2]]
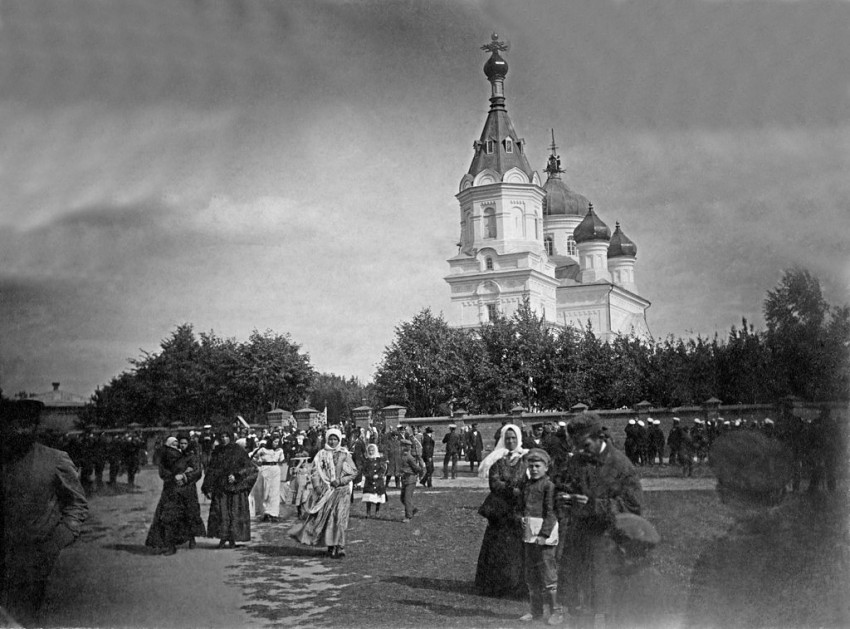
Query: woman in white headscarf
[[333, 471], [500, 569]]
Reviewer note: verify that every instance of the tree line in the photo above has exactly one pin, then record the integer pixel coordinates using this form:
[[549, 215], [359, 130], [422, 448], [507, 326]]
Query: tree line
[[432, 368]]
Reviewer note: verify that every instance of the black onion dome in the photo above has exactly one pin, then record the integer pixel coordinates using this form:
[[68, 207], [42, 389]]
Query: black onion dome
[[561, 201], [591, 228], [620, 245], [495, 67]]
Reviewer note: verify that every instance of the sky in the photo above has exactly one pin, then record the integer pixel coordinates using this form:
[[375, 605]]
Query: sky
[[292, 166]]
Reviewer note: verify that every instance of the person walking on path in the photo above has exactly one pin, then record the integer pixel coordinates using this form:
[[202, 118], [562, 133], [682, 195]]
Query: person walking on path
[[177, 518], [327, 516], [227, 482], [374, 470], [411, 468], [269, 457], [453, 446]]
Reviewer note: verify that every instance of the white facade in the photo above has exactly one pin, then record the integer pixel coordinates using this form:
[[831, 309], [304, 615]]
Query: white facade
[[510, 250]]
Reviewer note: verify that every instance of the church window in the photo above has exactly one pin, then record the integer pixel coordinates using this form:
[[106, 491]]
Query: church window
[[549, 244], [571, 246], [490, 146], [488, 263], [489, 223], [492, 313], [509, 145]]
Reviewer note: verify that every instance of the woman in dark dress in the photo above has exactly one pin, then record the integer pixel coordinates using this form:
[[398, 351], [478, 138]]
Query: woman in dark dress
[[228, 481], [501, 569], [177, 518]]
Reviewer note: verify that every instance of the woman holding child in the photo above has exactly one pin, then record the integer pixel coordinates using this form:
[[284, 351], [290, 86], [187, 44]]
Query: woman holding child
[[500, 569]]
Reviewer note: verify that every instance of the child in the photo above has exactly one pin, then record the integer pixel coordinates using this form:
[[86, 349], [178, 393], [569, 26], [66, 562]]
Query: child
[[374, 487], [540, 534], [410, 471]]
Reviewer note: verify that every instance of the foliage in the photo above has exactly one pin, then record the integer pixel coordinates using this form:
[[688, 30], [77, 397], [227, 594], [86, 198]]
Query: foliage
[[339, 394], [200, 379], [432, 368]]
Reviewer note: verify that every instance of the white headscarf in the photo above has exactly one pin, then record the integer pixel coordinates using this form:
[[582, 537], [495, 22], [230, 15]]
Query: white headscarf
[[338, 433], [172, 442], [500, 451]]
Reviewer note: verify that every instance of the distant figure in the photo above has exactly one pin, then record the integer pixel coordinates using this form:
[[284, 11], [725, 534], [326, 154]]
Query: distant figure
[[44, 507], [269, 457], [453, 447], [474, 447], [411, 468], [428, 457]]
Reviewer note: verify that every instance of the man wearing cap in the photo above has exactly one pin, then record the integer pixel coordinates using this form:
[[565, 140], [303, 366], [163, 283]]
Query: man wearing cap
[[632, 441], [593, 487], [410, 471], [535, 439], [557, 446], [474, 447], [452, 443]]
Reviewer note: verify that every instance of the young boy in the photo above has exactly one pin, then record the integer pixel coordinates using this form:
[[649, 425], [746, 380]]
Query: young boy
[[540, 536], [410, 471]]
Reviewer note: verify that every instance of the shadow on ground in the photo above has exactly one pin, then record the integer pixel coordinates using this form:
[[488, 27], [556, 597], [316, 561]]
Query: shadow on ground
[[450, 611], [441, 585]]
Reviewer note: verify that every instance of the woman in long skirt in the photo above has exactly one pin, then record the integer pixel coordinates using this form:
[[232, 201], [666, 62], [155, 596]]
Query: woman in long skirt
[[332, 474], [269, 457], [228, 481], [374, 479], [177, 518], [500, 570]]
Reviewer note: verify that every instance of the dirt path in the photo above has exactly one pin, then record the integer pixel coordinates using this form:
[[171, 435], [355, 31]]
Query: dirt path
[[109, 579]]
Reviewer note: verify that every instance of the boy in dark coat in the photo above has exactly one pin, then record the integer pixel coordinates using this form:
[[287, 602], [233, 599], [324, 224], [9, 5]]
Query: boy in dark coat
[[540, 536]]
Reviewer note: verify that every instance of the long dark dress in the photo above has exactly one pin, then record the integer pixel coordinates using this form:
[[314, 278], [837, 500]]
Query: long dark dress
[[230, 515], [177, 518], [501, 569]]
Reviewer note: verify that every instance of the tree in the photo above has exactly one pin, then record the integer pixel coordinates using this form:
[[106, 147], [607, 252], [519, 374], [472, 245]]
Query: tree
[[807, 339]]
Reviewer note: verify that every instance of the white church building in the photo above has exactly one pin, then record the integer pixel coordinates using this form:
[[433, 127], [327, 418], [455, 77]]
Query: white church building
[[523, 239]]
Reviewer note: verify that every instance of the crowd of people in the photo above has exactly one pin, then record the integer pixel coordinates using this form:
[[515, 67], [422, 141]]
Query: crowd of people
[[562, 513]]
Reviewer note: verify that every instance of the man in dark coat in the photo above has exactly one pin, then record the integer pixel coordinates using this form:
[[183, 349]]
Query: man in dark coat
[[428, 456], [595, 484], [453, 446], [674, 441], [44, 507], [557, 446], [474, 447], [131, 449], [535, 439]]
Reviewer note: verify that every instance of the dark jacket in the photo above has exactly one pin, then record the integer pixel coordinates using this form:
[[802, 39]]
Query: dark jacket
[[427, 447], [410, 468], [538, 501], [452, 441], [609, 480]]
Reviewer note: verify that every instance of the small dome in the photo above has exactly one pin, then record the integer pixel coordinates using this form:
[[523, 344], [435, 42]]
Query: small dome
[[620, 245], [591, 228], [561, 201], [496, 67]]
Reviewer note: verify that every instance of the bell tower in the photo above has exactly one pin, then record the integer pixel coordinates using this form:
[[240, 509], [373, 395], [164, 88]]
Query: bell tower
[[501, 258]]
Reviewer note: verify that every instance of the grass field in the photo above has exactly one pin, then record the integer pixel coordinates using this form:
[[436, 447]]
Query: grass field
[[421, 574]]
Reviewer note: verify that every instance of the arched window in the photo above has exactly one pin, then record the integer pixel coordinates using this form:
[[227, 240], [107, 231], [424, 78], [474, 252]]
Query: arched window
[[489, 223], [509, 145], [549, 243], [571, 246], [488, 263]]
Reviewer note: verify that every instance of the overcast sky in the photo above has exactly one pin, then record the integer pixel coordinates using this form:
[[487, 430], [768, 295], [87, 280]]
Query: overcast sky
[[292, 165]]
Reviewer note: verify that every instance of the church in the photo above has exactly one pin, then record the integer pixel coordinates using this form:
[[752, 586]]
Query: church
[[523, 239]]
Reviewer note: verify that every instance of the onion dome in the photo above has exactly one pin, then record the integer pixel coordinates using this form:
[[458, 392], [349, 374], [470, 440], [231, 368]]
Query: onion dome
[[591, 228], [561, 201], [495, 67], [620, 245]]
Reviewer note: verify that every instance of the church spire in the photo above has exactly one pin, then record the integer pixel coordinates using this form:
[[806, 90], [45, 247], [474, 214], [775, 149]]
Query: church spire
[[499, 149], [553, 168]]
